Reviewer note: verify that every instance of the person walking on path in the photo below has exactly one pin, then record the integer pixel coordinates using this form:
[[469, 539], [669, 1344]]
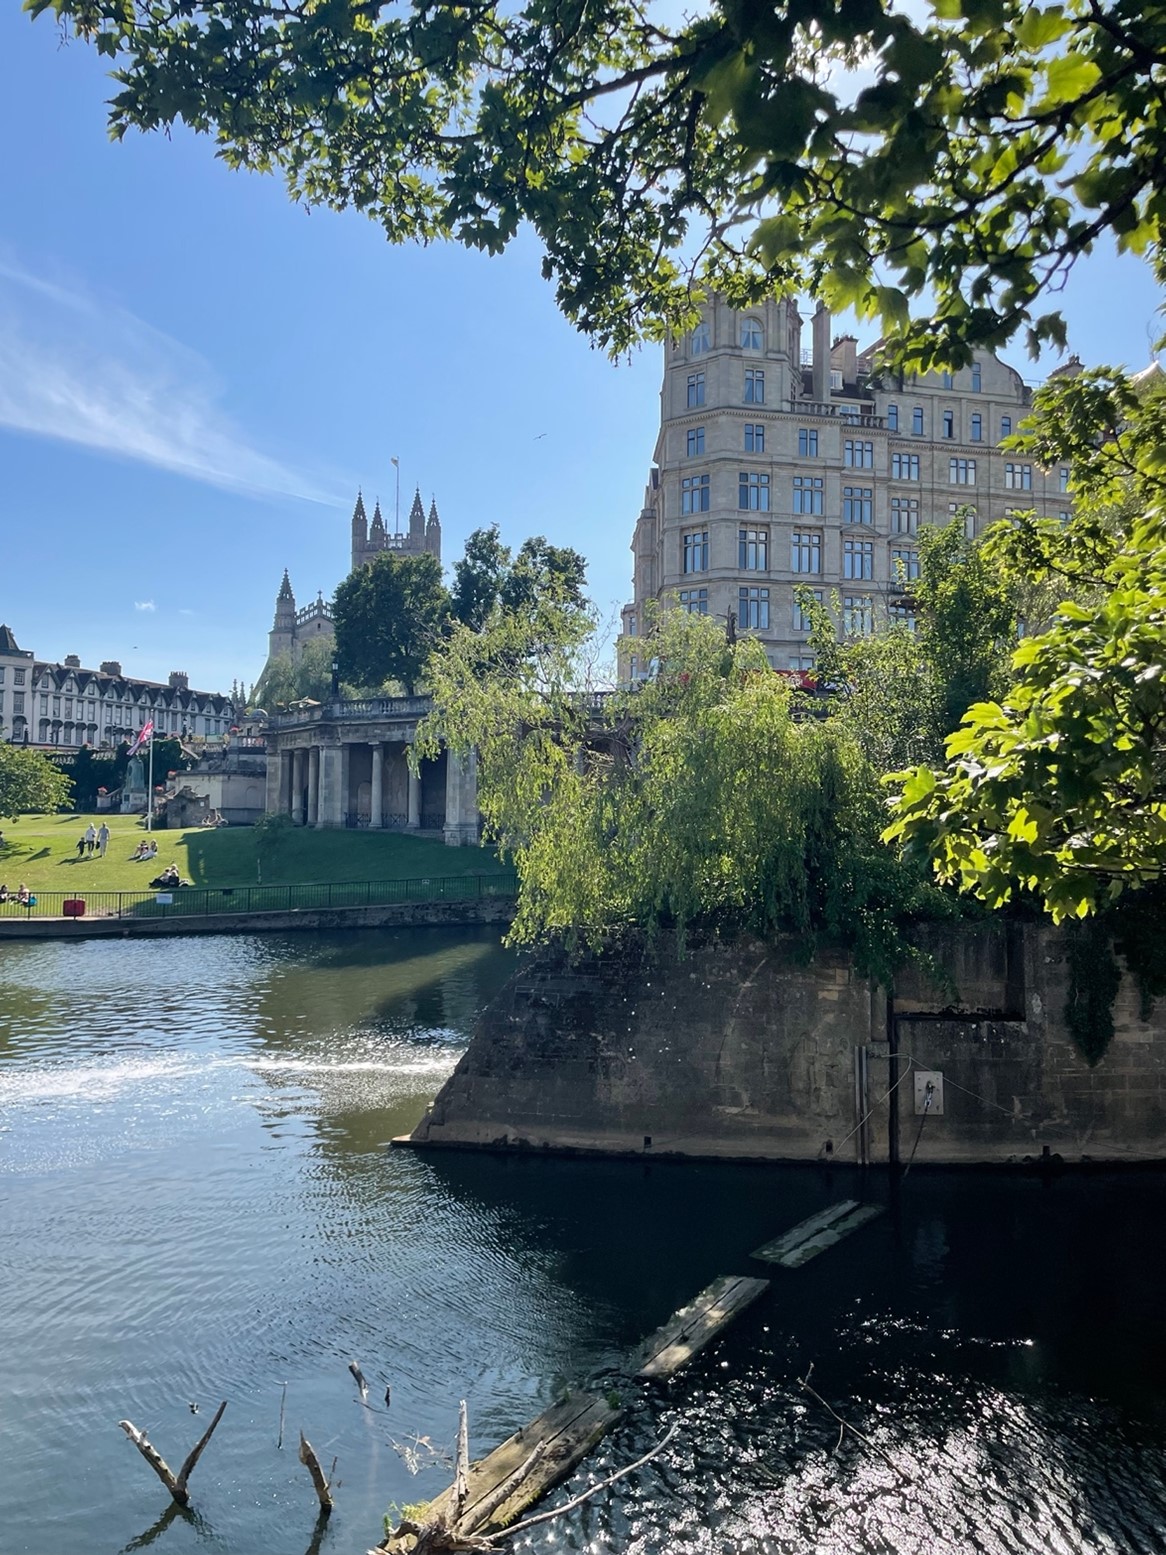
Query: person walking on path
[[102, 839], [90, 838]]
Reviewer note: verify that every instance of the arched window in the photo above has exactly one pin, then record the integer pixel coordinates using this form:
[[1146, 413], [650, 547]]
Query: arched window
[[700, 339], [750, 335]]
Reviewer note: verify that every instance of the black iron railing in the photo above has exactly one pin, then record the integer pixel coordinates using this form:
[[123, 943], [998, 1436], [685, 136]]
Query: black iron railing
[[203, 901]]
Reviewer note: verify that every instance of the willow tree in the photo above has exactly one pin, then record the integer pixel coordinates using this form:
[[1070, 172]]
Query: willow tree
[[708, 800]]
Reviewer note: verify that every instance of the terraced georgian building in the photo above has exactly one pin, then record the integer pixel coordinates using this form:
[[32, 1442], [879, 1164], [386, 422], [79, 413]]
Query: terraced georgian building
[[776, 468], [63, 706]]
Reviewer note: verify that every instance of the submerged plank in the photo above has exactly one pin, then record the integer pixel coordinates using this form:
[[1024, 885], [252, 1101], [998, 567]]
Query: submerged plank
[[562, 1436], [815, 1235], [688, 1331]]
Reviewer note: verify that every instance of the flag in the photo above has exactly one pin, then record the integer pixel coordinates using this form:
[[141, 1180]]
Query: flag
[[146, 732]]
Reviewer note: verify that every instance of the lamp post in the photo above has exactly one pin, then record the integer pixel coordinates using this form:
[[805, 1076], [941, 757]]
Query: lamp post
[[335, 676]]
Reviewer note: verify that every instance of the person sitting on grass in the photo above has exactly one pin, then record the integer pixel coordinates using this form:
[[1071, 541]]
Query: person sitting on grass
[[3, 893], [168, 880]]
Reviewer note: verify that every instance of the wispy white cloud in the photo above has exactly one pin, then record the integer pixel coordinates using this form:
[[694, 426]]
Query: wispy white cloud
[[144, 604], [85, 371]]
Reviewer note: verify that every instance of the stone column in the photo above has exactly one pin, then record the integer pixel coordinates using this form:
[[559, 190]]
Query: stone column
[[314, 786], [275, 785], [285, 783], [299, 778], [414, 821], [377, 802], [331, 802], [461, 800]]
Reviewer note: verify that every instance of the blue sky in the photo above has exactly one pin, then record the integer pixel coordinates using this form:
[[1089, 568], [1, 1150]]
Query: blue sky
[[195, 376]]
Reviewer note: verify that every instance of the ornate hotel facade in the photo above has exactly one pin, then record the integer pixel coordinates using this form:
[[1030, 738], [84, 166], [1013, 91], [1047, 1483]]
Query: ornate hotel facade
[[776, 469]]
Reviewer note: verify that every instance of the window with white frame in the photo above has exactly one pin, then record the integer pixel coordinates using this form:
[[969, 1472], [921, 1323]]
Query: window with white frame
[[694, 602], [902, 613], [752, 491], [754, 386], [809, 494], [695, 390], [753, 609], [858, 454], [857, 615], [1018, 477], [858, 559], [858, 504], [18, 677], [969, 515], [904, 564], [961, 472], [751, 336], [753, 550], [754, 438], [808, 442], [802, 621], [694, 442], [801, 663], [805, 551], [905, 467], [696, 550]]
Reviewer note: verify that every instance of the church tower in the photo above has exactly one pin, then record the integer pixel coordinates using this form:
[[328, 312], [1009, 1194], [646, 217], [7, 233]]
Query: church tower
[[416, 525], [433, 531], [283, 629], [359, 532]]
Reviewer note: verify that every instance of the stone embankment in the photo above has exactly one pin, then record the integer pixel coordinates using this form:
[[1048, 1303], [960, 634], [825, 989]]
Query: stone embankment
[[487, 910], [745, 1051]]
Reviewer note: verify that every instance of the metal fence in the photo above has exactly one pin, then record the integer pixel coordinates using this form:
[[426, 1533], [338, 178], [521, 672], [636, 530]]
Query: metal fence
[[201, 901]]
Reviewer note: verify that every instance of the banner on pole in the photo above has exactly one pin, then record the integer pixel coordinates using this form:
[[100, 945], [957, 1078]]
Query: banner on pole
[[146, 732]]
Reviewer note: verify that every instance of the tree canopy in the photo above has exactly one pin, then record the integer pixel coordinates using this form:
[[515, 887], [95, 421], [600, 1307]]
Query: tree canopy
[[488, 575], [388, 616], [956, 158], [288, 680], [30, 781], [1058, 787]]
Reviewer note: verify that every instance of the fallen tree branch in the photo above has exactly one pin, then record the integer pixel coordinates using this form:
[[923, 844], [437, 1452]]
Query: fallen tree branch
[[312, 1464], [488, 1505], [175, 1483], [354, 1368], [845, 1425], [461, 1468], [559, 1511]]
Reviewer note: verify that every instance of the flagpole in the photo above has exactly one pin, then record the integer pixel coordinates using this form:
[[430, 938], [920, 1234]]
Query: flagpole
[[150, 788]]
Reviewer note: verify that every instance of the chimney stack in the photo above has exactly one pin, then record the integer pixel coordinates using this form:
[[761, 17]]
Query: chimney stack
[[821, 368]]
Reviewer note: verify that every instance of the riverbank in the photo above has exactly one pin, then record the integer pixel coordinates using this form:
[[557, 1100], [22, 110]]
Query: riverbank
[[491, 909]]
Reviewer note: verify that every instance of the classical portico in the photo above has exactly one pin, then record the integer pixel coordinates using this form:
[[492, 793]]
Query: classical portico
[[346, 763]]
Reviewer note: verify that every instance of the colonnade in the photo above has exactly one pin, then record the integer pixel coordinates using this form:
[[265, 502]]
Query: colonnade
[[313, 784]]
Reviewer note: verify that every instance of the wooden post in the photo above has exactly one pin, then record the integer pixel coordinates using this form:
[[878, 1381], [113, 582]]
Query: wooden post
[[461, 1466]]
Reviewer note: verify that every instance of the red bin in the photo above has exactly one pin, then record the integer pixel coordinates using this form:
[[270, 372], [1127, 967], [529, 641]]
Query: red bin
[[73, 907]]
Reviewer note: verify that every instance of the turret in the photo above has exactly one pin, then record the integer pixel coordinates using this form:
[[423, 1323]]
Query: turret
[[433, 531], [285, 603], [359, 532], [417, 525], [376, 535]]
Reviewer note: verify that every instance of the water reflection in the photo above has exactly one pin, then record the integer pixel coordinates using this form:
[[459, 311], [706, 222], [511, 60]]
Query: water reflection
[[196, 1204]]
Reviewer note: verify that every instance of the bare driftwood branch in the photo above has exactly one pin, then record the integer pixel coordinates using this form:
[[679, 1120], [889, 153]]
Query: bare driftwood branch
[[312, 1464], [175, 1483], [282, 1403], [559, 1511], [845, 1425], [155, 1459], [354, 1368], [461, 1468], [195, 1454]]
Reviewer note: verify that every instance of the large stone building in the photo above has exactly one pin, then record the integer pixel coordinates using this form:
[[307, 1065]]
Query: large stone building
[[294, 628], [63, 706], [775, 469]]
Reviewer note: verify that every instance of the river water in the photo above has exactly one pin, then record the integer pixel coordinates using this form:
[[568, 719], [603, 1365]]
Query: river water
[[196, 1203]]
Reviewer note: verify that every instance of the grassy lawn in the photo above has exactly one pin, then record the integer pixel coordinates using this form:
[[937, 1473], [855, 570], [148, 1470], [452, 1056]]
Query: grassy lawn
[[40, 851]]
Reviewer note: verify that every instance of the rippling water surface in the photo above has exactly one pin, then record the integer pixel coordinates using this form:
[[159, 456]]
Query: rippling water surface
[[196, 1204]]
